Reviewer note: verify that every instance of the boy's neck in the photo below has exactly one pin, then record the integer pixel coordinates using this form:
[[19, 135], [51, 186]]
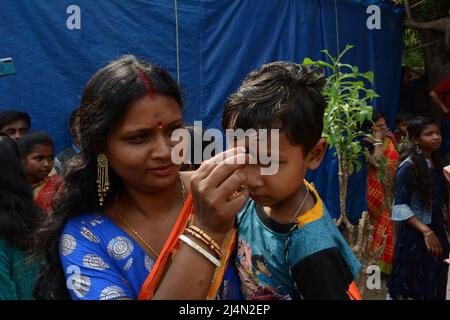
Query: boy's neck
[[284, 211]]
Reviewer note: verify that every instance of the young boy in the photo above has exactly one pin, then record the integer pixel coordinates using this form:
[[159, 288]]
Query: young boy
[[288, 245], [401, 127]]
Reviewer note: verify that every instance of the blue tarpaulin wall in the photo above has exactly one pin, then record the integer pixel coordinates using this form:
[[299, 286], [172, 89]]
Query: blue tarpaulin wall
[[209, 46]]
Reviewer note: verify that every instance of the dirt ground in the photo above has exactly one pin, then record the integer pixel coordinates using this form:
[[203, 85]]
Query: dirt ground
[[377, 294]]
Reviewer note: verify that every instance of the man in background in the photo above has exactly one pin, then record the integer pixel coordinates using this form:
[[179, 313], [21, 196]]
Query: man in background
[[441, 97], [14, 123]]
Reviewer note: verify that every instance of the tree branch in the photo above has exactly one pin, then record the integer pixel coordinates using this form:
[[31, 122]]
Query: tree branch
[[438, 25], [442, 25]]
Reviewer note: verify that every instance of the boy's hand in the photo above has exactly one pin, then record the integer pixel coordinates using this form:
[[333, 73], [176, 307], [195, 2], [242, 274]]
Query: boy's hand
[[214, 187]]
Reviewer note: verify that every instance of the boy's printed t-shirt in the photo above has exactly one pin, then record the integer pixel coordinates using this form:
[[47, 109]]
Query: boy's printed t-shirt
[[318, 256]]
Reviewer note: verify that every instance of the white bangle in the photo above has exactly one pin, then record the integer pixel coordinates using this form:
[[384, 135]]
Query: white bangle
[[197, 247]]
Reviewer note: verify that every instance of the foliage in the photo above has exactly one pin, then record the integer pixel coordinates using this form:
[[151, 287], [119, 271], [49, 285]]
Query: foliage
[[428, 10], [348, 107], [432, 9], [346, 112], [413, 59]]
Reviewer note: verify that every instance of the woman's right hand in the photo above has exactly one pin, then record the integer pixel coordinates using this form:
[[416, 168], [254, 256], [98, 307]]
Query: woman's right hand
[[212, 187], [433, 245]]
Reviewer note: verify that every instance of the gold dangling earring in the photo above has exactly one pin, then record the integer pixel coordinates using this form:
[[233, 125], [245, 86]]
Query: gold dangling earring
[[102, 177]]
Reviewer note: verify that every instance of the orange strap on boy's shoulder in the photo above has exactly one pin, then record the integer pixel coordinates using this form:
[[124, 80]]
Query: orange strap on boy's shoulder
[[353, 292]]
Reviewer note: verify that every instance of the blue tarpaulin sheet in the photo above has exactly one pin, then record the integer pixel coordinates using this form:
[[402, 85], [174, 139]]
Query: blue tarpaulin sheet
[[208, 46]]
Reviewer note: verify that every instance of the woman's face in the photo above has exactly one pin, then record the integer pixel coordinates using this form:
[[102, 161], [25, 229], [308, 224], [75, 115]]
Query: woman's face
[[39, 162], [139, 149], [430, 138], [380, 125]]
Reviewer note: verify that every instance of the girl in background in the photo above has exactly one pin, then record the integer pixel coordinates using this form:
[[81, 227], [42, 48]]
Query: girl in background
[[37, 152], [419, 271]]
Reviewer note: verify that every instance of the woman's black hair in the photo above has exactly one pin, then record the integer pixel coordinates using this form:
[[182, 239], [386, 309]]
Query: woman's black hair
[[28, 142], [104, 103], [422, 181], [18, 213], [280, 95]]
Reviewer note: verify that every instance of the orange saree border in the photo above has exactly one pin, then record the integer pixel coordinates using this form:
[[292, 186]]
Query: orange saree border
[[170, 248]]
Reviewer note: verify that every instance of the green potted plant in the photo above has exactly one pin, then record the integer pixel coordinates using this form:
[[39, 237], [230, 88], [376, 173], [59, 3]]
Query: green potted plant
[[348, 107]]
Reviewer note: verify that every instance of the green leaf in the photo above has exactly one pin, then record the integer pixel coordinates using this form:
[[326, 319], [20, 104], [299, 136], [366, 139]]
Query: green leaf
[[368, 75], [358, 166], [308, 61], [333, 61], [347, 47]]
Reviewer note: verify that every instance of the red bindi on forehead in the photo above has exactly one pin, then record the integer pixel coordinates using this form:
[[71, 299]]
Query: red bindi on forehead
[[150, 123]]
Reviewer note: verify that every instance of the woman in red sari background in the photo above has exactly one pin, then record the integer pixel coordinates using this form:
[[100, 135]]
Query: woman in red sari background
[[37, 152], [383, 161]]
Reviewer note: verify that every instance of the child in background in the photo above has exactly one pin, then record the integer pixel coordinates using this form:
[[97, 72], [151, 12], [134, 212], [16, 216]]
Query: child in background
[[401, 128], [37, 152], [288, 245]]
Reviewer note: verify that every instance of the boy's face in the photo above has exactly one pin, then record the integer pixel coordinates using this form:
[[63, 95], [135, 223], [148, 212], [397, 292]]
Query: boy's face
[[402, 126], [271, 190], [15, 129]]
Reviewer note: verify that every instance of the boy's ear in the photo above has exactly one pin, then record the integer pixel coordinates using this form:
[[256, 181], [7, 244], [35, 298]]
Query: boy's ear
[[315, 156]]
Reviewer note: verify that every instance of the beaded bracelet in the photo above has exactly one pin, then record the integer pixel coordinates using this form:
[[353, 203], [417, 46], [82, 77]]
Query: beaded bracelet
[[378, 144], [197, 247], [205, 235]]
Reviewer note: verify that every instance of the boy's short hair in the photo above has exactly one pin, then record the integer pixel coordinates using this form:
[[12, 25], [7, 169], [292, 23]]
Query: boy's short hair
[[399, 117], [280, 95], [9, 116]]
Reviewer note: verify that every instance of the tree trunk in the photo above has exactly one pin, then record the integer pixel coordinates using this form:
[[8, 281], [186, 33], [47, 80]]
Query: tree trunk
[[436, 33], [437, 58], [343, 185]]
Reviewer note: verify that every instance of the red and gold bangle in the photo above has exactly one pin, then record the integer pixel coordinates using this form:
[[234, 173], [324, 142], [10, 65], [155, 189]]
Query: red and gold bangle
[[210, 240], [205, 241]]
